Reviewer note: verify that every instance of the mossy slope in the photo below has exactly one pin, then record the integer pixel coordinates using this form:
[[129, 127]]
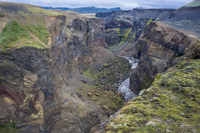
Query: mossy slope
[[101, 82], [28, 26], [9, 128], [16, 35], [171, 104], [193, 3]]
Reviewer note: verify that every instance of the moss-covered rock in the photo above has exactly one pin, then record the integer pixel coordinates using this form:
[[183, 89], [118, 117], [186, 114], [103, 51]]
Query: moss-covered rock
[[9, 128], [194, 50], [171, 104], [102, 82]]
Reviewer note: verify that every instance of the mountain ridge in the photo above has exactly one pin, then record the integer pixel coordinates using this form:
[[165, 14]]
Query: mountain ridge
[[85, 9]]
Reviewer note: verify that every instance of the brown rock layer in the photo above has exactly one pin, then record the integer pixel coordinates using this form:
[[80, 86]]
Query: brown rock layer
[[159, 48]]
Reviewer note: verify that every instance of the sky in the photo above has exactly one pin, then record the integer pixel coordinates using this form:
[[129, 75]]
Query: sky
[[123, 4]]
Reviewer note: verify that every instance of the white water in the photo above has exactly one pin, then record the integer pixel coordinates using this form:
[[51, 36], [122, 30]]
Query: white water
[[125, 85]]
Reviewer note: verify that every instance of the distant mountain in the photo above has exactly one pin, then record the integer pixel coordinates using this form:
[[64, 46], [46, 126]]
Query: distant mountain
[[62, 8], [193, 3], [85, 9]]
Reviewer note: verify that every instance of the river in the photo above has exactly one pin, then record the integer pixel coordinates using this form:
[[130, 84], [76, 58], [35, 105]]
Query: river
[[125, 85]]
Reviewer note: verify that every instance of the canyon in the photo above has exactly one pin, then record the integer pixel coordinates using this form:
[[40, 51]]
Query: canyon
[[121, 71]]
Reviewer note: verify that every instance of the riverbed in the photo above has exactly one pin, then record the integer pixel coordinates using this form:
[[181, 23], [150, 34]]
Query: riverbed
[[125, 85]]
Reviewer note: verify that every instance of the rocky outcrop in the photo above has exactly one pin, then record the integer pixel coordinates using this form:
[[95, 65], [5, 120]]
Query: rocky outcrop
[[171, 104], [129, 25], [159, 48], [38, 84], [137, 14], [193, 52]]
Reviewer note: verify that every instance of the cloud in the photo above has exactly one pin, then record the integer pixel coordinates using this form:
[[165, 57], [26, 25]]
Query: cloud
[[124, 4]]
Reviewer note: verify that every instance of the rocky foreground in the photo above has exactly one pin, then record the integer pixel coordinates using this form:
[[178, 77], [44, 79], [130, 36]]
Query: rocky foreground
[[171, 104]]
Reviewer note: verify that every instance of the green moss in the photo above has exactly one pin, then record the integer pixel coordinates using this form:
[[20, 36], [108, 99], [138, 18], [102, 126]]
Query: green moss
[[102, 81], [194, 3], [147, 82], [90, 73], [149, 21], [171, 104], [134, 35], [9, 128], [6, 63], [11, 33], [2, 15], [119, 31], [16, 35], [113, 46], [125, 34], [40, 31], [157, 19]]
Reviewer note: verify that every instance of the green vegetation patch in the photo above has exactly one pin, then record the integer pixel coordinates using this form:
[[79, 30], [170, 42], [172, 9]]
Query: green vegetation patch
[[9, 128], [110, 73], [125, 36], [101, 82], [193, 3], [126, 33], [149, 21], [40, 31], [104, 98], [12, 32], [16, 35], [171, 104]]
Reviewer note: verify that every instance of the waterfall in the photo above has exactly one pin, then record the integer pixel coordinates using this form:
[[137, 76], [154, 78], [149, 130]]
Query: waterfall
[[125, 85]]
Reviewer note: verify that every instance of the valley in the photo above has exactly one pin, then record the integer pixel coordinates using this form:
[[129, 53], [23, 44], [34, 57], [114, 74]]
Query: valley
[[118, 71]]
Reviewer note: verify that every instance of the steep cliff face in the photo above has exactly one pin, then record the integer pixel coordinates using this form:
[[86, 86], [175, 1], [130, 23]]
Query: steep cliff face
[[159, 48], [129, 25], [171, 104], [39, 73]]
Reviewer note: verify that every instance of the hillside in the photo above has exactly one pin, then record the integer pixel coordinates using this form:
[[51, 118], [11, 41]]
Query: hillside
[[193, 3], [171, 104], [60, 71]]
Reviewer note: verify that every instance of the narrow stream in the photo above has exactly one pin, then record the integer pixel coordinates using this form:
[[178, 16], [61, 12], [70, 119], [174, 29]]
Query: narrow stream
[[125, 85], [124, 88]]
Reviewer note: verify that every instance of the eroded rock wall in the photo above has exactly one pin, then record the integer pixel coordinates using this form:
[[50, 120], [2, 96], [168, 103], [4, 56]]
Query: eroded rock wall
[[34, 83], [129, 25], [159, 48]]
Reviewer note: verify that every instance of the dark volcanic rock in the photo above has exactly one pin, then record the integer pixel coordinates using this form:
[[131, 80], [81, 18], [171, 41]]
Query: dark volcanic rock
[[36, 85], [111, 36], [129, 24], [159, 48], [187, 18]]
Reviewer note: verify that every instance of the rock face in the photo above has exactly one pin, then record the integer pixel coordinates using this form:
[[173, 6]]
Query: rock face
[[37, 88], [171, 104], [129, 25], [158, 45], [138, 13], [186, 18], [159, 48]]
